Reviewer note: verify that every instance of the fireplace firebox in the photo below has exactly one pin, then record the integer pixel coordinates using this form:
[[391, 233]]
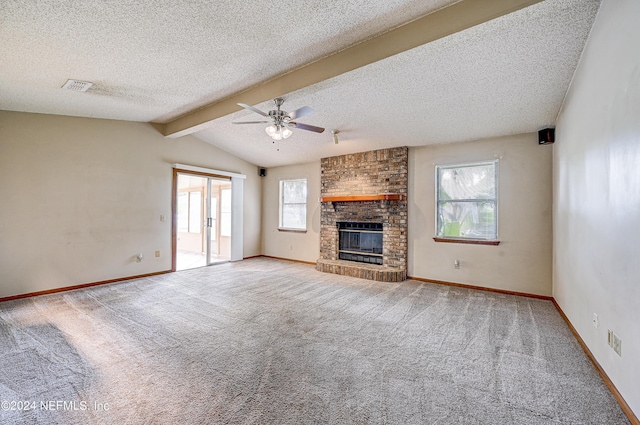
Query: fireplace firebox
[[361, 242]]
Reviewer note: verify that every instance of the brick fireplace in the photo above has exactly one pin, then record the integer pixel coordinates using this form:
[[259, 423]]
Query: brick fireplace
[[364, 192]]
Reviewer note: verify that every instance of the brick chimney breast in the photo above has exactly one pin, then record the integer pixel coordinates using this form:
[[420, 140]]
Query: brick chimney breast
[[361, 176]]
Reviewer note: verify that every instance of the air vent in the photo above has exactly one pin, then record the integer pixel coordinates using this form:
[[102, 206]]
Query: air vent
[[77, 85]]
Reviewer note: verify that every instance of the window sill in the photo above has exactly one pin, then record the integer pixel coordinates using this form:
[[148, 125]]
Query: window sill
[[280, 229], [468, 241]]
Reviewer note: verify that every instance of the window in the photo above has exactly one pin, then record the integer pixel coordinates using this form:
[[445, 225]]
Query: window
[[225, 212], [214, 218], [183, 212], [189, 211], [195, 211], [467, 201], [293, 204]]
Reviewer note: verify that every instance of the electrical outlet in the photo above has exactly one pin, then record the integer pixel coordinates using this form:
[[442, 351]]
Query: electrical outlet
[[614, 342], [157, 253], [162, 217], [456, 264], [595, 320], [617, 345]]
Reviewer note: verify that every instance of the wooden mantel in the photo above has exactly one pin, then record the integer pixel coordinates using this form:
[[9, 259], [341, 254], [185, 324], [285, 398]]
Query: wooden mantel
[[361, 198]]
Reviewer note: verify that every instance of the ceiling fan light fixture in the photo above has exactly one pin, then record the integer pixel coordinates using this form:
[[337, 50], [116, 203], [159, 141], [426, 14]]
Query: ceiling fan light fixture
[[278, 132], [271, 130]]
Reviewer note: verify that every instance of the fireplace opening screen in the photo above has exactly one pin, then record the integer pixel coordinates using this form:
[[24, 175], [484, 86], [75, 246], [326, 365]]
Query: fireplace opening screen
[[360, 242]]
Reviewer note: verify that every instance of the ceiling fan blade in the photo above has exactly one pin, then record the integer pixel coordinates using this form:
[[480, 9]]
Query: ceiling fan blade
[[251, 108], [306, 127], [250, 122], [301, 112]]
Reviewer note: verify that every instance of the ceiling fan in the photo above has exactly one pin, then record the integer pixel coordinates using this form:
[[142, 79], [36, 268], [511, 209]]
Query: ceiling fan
[[281, 121]]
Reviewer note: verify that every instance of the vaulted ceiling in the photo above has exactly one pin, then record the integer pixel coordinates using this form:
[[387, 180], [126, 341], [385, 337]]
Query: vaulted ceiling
[[383, 73]]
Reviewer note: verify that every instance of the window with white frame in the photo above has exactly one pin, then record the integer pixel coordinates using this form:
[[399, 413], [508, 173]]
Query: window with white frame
[[225, 212], [467, 201], [189, 211], [293, 204]]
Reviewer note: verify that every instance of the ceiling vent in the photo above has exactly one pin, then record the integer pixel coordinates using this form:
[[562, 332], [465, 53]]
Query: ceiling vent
[[77, 85]]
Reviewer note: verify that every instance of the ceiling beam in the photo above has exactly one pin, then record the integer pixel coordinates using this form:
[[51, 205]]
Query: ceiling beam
[[449, 20]]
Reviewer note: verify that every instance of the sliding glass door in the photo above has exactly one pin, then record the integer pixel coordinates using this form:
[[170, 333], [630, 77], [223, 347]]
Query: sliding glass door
[[203, 220]]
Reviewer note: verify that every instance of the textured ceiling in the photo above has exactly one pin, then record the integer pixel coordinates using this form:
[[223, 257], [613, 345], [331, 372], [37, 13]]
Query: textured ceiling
[[153, 61], [506, 76]]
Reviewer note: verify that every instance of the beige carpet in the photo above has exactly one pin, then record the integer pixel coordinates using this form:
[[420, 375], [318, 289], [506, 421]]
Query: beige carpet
[[272, 342]]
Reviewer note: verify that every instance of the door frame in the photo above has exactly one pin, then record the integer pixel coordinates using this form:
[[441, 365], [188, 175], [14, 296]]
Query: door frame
[[237, 183]]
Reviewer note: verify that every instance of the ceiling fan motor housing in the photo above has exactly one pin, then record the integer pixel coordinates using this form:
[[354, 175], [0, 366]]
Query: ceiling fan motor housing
[[280, 118]]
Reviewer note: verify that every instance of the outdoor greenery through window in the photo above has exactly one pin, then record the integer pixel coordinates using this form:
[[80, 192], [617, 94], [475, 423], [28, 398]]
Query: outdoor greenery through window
[[467, 201], [293, 204]]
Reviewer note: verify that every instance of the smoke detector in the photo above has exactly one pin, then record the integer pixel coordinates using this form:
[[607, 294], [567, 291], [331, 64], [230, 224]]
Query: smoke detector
[[77, 85]]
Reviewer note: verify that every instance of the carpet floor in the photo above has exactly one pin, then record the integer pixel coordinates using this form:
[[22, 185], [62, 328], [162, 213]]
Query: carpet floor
[[263, 341]]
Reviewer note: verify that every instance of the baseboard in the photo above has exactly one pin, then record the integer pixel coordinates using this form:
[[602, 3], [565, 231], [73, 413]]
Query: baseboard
[[313, 263], [84, 285], [252, 256], [614, 391], [616, 394], [482, 288]]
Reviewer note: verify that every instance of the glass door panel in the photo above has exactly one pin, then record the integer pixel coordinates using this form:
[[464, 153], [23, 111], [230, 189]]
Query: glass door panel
[[219, 232], [190, 226]]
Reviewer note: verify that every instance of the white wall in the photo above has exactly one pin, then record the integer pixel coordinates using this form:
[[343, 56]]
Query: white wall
[[80, 197], [291, 245], [522, 261], [597, 195]]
